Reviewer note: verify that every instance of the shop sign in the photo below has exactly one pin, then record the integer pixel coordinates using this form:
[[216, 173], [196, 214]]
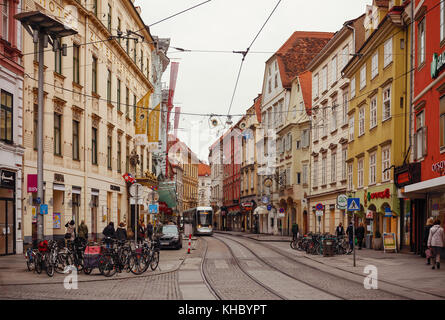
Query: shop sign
[[388, 212], [438, 166], [369, 214], [342, 201], [269, 207], [265, 199], [32, 183], [115, 188], [380, 195], [407, 174], [59, 177], [7, 178], [153, 208], [437, 64], [389, 241]]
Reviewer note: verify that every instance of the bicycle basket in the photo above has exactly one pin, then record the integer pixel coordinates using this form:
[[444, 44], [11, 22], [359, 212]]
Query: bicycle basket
[[43, 246]]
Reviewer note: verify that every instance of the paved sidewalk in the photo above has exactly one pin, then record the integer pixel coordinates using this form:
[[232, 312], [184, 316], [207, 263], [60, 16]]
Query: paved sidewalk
[[401, 269], [258, 237]]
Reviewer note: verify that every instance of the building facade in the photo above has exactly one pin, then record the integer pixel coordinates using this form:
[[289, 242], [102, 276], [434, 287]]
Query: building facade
[[90, 110], [217, 179], [204, 184], [11, 130]]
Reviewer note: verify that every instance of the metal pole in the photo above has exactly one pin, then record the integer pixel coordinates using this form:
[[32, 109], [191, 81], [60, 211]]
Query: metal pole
[[353, 236], [40, 234], [136, 212]]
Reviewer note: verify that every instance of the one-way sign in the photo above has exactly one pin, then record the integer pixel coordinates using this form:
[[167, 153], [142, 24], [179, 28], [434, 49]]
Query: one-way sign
[[353, 204]]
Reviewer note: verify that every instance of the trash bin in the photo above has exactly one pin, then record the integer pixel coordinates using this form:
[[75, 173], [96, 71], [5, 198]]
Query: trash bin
[[328, 248], [368, 241]]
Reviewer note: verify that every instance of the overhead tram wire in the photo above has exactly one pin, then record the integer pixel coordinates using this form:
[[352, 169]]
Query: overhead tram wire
[[244, 53]]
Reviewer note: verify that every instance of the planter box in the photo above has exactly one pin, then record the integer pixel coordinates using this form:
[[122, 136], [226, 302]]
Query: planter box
[[377, 243]]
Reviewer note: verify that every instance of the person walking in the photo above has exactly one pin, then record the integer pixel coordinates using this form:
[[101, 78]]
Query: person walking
[[294, 231], [350, 233], [436, 240], [83, 230], [150, 231], [109, 234], [141, 232], [340, 231], [426, 234], [360, 234], [121, 232]]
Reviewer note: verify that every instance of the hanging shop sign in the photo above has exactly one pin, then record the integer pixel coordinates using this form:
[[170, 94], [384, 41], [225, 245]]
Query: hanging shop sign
[[407, 174], [388, 212], [342, 202], [437, 64], [380, 195], [32, 183]]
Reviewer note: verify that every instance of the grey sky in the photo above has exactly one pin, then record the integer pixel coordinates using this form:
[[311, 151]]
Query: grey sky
[[206, 80]]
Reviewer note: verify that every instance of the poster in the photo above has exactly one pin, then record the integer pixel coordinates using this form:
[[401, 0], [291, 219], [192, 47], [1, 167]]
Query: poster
[[153, 126], [56, 220], [389, 241], [34, 214]]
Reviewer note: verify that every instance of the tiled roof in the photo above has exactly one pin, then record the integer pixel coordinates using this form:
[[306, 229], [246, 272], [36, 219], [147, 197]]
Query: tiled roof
[[306, 89], [296, 53], [203, 169]]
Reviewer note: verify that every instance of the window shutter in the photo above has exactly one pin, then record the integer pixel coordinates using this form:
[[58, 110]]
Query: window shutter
[[425, 140], [415, 146]]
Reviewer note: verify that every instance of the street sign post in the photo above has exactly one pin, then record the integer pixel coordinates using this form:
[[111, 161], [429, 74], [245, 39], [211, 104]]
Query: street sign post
[[136, 191], [353, 205]]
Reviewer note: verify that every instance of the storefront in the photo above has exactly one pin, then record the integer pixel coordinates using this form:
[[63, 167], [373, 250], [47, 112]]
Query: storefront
[[7, 212], [247, 209]]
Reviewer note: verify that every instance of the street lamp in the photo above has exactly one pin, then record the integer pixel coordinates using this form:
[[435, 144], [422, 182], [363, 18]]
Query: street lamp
[[43, 29]]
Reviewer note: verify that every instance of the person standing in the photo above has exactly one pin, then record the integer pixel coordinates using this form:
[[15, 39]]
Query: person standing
[[350, 233], [70, 234], [294, 231], [141, 232], [109, 233], [83, 230], [360, 234], [121, 233], [436, 240], [426, 234], [150, 231], [340, 231]]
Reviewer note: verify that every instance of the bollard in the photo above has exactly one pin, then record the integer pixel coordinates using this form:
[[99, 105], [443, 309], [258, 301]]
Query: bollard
[[190, 243]]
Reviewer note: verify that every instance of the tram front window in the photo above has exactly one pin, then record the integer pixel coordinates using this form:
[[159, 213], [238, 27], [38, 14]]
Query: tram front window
[[204, 218]]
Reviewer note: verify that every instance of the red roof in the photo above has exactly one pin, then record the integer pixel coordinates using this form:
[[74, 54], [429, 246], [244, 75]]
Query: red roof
[[203, 169], [305, 79], [257, 105], [296, 53]]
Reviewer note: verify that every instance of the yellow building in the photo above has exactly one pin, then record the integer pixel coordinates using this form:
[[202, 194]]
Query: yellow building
[[88, 116], [378, 116]]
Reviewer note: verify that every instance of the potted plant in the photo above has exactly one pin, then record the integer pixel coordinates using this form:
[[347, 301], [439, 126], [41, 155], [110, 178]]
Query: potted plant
[[377, 241]]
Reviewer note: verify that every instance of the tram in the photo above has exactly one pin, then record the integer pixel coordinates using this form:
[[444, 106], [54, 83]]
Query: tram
[[201, 220]]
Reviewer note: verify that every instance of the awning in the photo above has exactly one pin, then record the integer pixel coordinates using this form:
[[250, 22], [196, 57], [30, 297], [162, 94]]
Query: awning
[[261, 210], [436, 185], [167, 193], [59, 187]]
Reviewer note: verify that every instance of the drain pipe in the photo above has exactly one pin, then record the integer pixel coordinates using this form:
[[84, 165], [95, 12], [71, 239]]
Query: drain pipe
[[411, 96]]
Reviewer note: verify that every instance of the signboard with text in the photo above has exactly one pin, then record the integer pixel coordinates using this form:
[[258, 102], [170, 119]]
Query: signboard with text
[[389, 241]]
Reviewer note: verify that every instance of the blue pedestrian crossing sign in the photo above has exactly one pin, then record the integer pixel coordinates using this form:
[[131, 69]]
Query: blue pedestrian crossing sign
[[152, 208], [353, 204], [43, 209]]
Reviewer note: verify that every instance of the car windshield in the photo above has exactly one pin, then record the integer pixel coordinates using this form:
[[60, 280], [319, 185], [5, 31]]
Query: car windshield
[[170, 230]]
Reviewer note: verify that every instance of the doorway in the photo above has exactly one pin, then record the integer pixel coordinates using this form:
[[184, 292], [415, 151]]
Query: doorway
[[7, 226]]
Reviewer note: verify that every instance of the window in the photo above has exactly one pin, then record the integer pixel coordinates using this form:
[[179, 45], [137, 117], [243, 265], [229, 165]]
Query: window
[[35, 128], [360, 173], [323, 171], [345, 56], [57, 133], [421, 41], [442, 21], [386, 159], [128, 46], [324, 79], [276, 81], [325, 121], [345, 107], [361, 121], [316, 128], [334, 70], [420, 137], [142, 60], [373, 112], [135, 52], [351, 128], [134, 108], [350, 182], [127, 158], [76, 63], [109, 87], [94, 75], [94, 146], [298, 177], [333, 167], [305, 174], [119, 155], [344, 153], [119, 29], [109, 17], [363, 77], [109, 150], [386, 103], [315, 177], [315, 85], [375, 65], [353, 87], [5, 20], [297, 144], [305, 138], [76, 140], [95, 7], [127, 102], [6, 119], [334, 115], [58, 60], [442, 122], [387, 52], [118, 95], [372, 168], [269, 86]]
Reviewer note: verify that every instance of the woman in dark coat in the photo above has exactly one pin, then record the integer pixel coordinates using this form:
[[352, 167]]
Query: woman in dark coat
[[109, 232], [360, 234], [121, 232]]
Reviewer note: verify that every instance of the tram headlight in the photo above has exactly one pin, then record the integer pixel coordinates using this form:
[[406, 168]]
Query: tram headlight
[[199, 226]]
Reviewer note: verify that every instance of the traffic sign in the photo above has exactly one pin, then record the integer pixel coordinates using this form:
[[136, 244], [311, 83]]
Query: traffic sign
[[265, 199], [269, 207], [319, 207], [43, 209], [153, 208], [353, 204], [319, 213], [388, 212], [281, 210], [38, 201]]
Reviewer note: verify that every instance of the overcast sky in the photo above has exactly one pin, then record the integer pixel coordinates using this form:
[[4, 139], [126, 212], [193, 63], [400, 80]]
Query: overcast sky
[[206, 80]]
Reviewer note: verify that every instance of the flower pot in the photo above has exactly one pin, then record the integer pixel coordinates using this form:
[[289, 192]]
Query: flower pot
[[377, 243]]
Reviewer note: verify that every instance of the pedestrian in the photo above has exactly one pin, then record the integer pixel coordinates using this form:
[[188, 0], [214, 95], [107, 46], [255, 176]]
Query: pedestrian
[[360, 234], [141, 232], [340, 231], [426, 234], [109, 234], [350, 233], [436, 240], [70, 234], [150, 231], [294, 231], [121, 233], [83, 230]]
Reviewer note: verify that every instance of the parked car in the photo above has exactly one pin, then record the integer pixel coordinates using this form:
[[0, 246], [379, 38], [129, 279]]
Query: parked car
[[171, 237]]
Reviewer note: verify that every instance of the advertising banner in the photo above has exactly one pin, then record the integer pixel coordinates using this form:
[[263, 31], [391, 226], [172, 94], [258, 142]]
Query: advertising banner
[[142, 109], [32, 183], [153, 126]]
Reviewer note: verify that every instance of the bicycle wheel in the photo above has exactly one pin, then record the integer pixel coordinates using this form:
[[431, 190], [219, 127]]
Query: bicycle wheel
[[135, 264], [109, 268], [293, 244], [61, 263], [154, 261], [30, 261], [49, 265], [38, 263]]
